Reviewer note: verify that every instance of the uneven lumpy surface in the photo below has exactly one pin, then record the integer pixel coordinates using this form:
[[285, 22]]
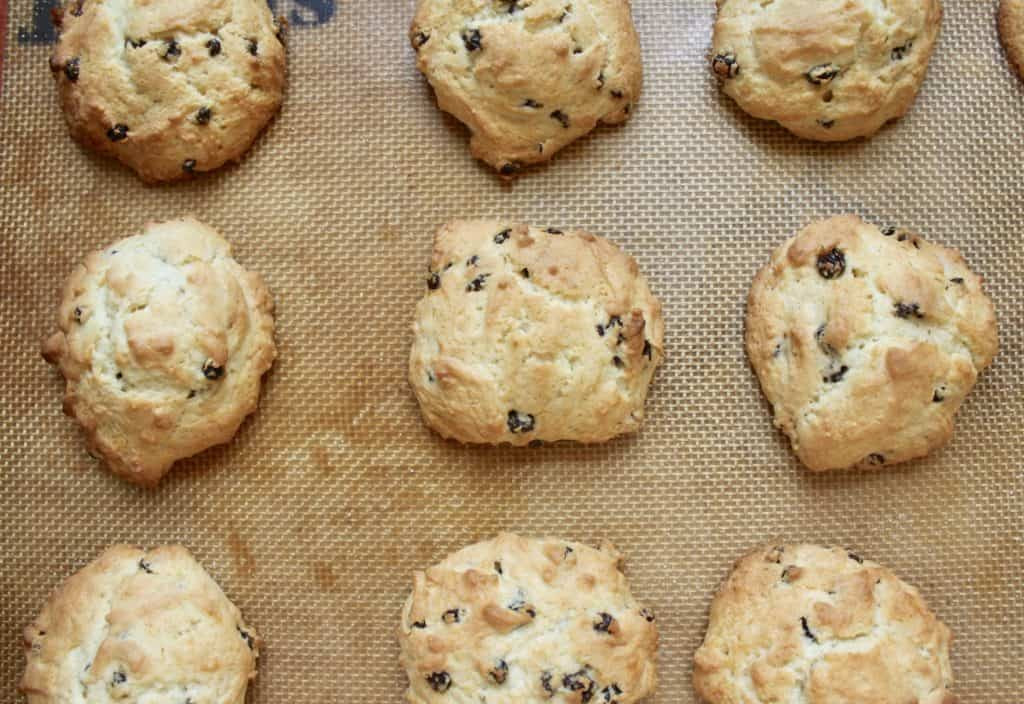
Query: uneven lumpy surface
[[827, 70], [529, 76], [136, 626], [520, 620], [803, 624], [527, 334], [168, 88], [163, 339], [867, 341]]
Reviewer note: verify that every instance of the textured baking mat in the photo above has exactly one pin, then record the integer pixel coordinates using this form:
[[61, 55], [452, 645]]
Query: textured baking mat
[[314, 518]]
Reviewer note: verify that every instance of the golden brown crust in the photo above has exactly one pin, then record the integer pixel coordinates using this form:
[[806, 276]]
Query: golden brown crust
[[527, 620], [866, 343], [529, 334], [163, 339], [137, 625], [168, 88], [1011, 32], [821, 626], [527, 77], [827, 70]]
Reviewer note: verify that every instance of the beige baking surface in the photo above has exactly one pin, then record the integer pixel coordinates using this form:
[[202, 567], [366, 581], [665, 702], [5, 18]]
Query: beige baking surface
[[315, 517]]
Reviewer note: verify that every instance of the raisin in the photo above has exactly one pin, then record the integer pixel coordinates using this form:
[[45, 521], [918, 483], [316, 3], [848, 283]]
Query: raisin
[[554, 231], [71, 69], [617, 94], [957, 280], [430, 377], [211, 370], [246, 636], [827, 124], [807, 629], [899, 52], [213, 46], [471, 38], [520, 422], [192, 393], [439, 681], [889, 231], [203, 116], [472, 260], [525, 272], [502, 236], [647, 614], [118, 132], [545, 682], [600, 330], [605, 622], [876, 458], [188, 166], [562, 118], [648, 350], [725, 65], [253, 47], [856, 558], [580, 682], [610, 692], [906, 310], [145, 566], [419, 624], [499, 673], [530, 103], [136, 43], [831, 264], [434, 281], [118, 678], [497, 567], [420, 39], [511, 167], [615, 320], [173, 50], [452, 616], [118, 375], [78, 314], [477, 284], [568, 551], [937, 397], [577, 50], [822, 73], [617, 361], [836, 376], [520, 605]]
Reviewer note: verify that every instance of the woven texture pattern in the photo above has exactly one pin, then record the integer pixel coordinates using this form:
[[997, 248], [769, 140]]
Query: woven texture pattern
[[314, 518]]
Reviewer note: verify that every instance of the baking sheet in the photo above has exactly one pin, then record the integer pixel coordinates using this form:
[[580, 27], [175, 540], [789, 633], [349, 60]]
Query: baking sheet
[[314, 518]]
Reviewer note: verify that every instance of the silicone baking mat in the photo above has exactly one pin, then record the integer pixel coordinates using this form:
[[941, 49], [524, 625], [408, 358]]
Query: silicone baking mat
[[315, 517]]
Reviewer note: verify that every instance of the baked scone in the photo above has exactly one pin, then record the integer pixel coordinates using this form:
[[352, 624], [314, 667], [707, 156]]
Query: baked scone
[[1011, 32], [866, 341], [163, 340], [828, 70], [527, 77], [802, 623], [518, 620], [139, 626], [168, 88], [529, 335]]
